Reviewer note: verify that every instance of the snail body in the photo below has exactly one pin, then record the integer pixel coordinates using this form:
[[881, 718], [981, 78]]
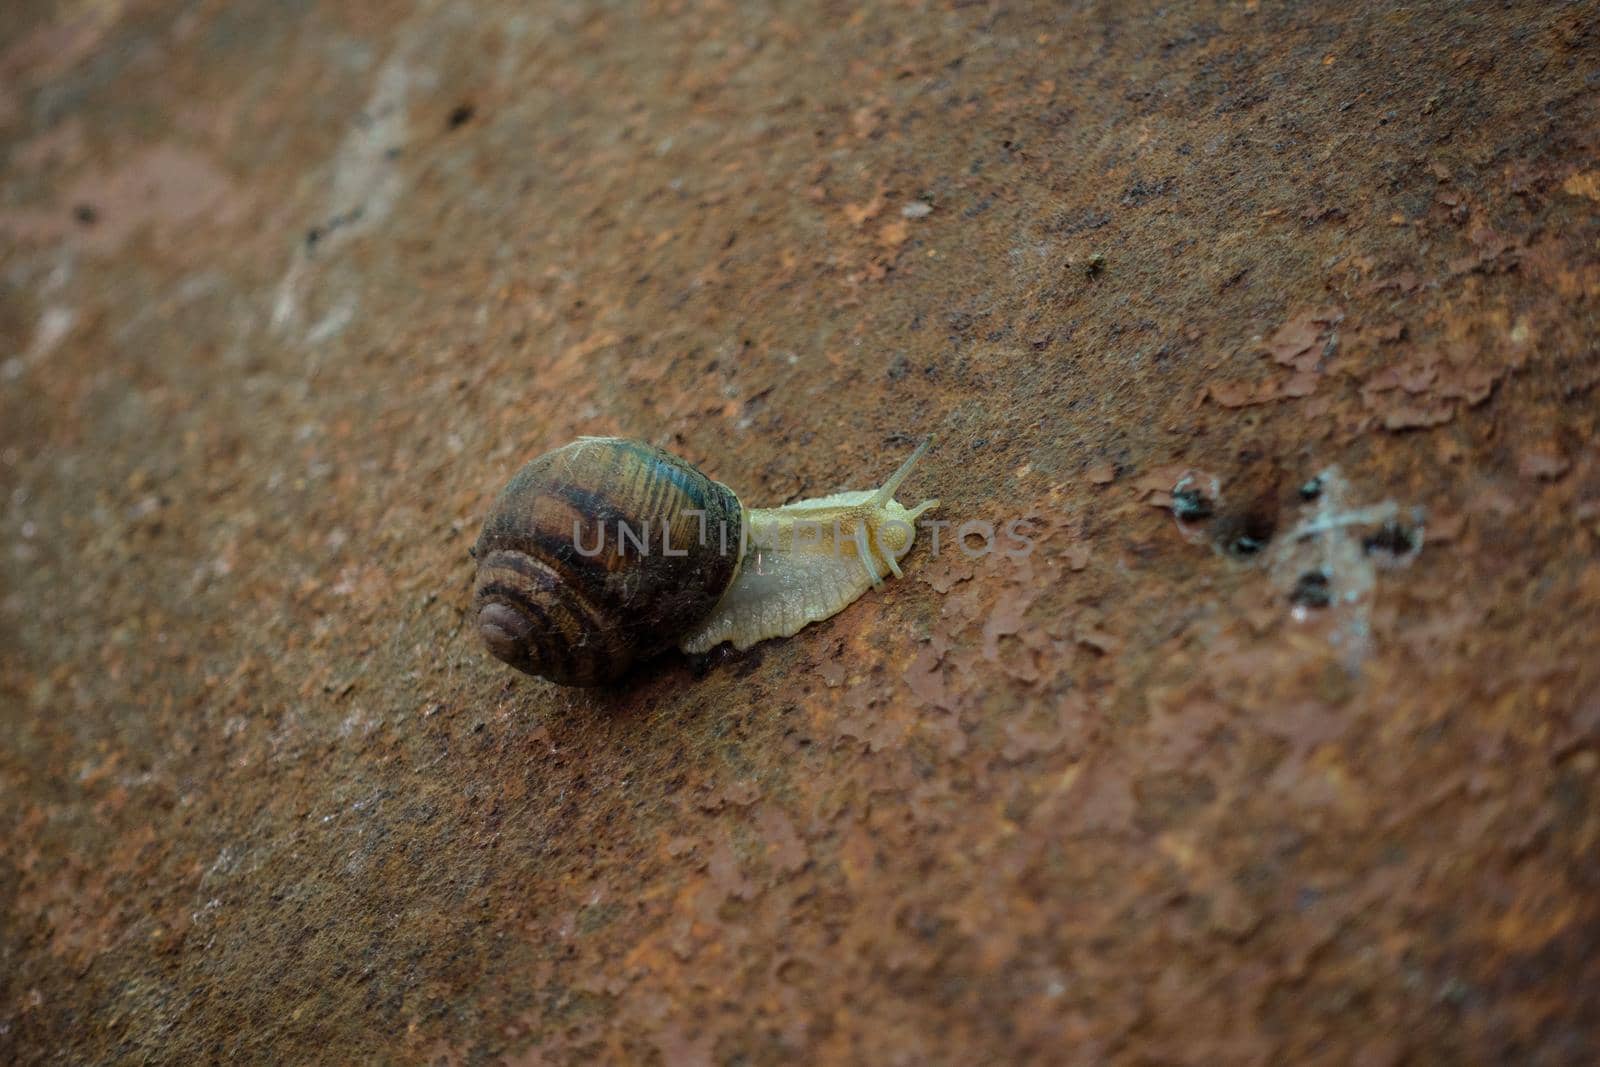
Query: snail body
[[608, 550]]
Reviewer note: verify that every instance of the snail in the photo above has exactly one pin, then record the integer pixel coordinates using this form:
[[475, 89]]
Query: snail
[[607, 550]]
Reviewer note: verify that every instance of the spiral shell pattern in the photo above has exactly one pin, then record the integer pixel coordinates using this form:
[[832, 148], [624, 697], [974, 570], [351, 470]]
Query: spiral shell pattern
[[600, 553]]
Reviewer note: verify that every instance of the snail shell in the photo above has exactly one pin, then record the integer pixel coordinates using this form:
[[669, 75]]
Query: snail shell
[[608, 550], [547, 606]]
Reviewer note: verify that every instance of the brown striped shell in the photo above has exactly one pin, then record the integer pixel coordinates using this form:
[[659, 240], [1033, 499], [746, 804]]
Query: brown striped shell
[[562, 592]]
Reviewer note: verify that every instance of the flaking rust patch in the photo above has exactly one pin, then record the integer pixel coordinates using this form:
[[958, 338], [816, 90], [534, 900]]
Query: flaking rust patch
[[987, 627], [1327, 565]]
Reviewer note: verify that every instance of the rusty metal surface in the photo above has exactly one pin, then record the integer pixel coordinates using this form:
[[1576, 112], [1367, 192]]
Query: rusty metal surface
[[291, 289]]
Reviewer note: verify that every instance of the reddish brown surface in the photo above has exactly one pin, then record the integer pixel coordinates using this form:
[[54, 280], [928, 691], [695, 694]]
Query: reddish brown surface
[[278, 326]]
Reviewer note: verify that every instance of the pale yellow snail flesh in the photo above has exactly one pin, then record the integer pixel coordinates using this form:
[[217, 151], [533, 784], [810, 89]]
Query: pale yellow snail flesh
[[807, 561]]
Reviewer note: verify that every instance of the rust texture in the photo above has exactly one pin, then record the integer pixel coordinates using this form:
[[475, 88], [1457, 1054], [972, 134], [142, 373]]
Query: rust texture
[[1275, 324]]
